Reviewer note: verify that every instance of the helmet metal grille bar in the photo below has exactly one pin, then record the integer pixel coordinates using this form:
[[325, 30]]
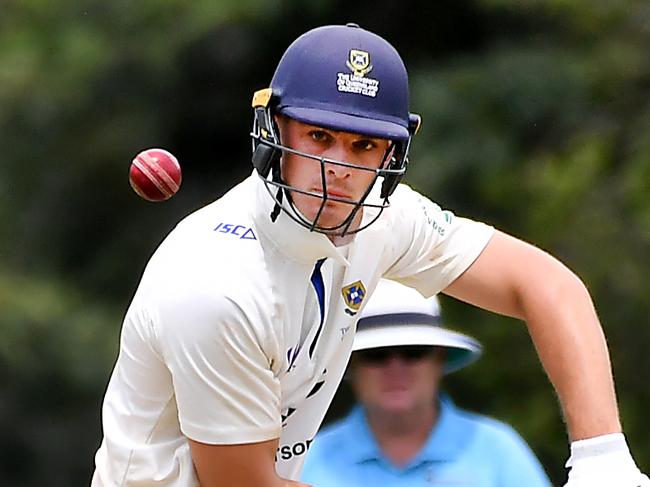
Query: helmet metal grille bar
[[287, 205]]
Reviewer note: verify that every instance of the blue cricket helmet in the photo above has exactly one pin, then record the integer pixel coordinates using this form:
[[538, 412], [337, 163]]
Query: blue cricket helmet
[[344, 78]]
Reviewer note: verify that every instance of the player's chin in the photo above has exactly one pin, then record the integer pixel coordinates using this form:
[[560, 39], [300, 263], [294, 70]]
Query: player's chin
[[333, 215]]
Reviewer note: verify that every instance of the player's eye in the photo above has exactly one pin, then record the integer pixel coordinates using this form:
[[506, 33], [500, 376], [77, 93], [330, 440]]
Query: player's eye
[[364, 144], [320, 136]]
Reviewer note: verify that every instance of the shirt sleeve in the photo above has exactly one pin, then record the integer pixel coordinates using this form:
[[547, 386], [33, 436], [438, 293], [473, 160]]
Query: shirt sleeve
[[432, 246], [224, 385]]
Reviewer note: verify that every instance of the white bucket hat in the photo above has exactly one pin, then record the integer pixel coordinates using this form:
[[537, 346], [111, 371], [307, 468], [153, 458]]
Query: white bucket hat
[[397, 315]]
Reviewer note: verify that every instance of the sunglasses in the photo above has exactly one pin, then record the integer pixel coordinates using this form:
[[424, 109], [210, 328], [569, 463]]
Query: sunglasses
[[407, 354]]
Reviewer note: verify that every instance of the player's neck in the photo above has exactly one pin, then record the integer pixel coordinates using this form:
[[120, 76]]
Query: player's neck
[[339, 240]]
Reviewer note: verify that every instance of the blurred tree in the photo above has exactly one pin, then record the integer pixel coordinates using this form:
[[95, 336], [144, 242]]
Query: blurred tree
[[57, 346]]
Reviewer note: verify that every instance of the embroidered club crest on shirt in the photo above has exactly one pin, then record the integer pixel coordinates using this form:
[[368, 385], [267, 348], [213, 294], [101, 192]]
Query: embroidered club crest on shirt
[[353, 295], [358, 82]]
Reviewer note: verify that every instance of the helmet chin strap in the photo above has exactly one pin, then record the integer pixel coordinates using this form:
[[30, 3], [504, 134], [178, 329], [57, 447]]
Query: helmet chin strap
[[279, 195]]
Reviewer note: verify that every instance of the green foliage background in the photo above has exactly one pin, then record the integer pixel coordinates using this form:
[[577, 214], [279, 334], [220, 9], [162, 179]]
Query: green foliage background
[[537, 120]]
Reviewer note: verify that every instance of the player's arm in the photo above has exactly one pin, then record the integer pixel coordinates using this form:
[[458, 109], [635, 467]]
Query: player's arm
[[226, 390], [244, 465], [514, 278]]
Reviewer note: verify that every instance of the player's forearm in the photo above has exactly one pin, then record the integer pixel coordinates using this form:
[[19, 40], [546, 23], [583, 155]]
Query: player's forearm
[[241, 465], [516, 279], [572, 347]]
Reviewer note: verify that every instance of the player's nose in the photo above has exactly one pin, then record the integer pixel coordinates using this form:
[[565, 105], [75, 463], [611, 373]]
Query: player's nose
[[341, 153]]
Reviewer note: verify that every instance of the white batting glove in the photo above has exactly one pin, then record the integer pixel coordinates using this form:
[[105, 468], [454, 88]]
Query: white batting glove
[[603, 461]]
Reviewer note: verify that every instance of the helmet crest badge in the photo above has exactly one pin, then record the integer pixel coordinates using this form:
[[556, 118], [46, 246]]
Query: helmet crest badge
[[359, 62]]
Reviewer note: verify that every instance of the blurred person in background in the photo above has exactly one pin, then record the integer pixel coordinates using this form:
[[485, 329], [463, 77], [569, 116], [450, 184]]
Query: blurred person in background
[[405, 431]]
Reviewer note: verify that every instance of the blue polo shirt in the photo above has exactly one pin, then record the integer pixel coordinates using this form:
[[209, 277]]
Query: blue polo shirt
[[463, 450]]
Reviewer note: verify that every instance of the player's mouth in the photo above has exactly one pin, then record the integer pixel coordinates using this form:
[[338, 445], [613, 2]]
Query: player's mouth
[[334, 194]]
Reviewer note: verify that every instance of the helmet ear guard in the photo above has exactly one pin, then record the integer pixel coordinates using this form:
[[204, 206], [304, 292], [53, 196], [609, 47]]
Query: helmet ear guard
[[400, 160], [264, 129], [415, 121]]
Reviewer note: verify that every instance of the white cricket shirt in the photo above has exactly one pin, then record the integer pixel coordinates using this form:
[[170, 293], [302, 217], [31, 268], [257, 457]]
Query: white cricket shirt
[[211, 345]]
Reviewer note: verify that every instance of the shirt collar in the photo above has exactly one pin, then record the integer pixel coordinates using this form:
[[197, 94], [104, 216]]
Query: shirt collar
[[290, 238], [445, 441]]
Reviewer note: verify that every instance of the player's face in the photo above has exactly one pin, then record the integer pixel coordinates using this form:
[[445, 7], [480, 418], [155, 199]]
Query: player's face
[[397, 380], [341, 182]]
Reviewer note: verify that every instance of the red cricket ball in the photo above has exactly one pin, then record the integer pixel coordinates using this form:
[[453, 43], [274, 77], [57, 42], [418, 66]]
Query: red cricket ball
[[155, 174]]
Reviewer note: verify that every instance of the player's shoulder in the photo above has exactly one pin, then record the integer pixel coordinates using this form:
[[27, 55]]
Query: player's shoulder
[[406, 200], [190, 293], [405, 192], [221, 231], [403, 195], [413, 210], [215, 248], [230, 208]]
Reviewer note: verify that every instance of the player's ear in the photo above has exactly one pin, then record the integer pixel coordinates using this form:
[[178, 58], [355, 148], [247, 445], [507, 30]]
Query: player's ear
[[280, 120]]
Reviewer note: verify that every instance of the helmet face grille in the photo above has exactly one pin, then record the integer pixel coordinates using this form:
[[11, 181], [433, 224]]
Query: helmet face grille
[[283, 191]]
